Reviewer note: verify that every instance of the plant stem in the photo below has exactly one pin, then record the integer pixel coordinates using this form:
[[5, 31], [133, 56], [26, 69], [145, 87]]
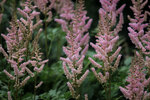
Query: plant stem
[[109, 89], [16, 94], [14, 9], [105, 92], [77, 91], [34, 87], [45, 32], [49, 50], [16, 89]]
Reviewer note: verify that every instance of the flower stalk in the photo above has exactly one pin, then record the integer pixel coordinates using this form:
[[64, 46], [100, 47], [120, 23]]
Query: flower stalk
[[135, 90], [77, 40], [46, 8], [105, 46], [24, 60]]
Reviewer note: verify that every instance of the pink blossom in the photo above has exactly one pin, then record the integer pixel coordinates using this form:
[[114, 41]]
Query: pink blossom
[[9, 75], [135, 90], [86, 97], [27, 9], [17, 40], [95, 63], [29, 72], [37, 86], [38, 70], [76, 27], [107, 38], [64, 8], [71, 89], [9, 95], [83, 77], [137, 26], [24, 81]]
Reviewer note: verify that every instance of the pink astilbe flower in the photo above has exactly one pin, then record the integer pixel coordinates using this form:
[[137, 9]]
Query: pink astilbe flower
[[137, 81], [86, 97], [23, 55], [137, 26], [30, 14], [107, 38], [77, 47], [139, 29], [79, 27], [37, 86], [64, 8], [9, 95], [15, 54], [45, 8]]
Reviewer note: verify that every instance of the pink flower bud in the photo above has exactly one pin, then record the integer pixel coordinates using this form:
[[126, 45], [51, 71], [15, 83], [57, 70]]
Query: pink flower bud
[[23, 13], [71, 89], [24, 81], [125, 92], [37, 86], [83, 77], [29, 72], [9, 75], [95, 63], [9, 95]]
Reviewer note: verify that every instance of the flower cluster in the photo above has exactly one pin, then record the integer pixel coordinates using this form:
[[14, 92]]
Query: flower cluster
[[64, 8], [141, 38], [23, 56], [15, 55], [107, 38], [44, 8], [77, 47], [137, 81], [137, 32]]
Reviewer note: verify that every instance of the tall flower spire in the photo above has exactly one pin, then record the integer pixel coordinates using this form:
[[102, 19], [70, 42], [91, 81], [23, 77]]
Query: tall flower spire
[[77, 47], [110, 23], [64, 8], [137, 26], [137, 81], [45, 7], [107, 38], [23, 56], [137, 76], [139, 31]]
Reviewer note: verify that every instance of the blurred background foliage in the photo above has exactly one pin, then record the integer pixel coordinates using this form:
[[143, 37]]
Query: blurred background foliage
[[54, 87]]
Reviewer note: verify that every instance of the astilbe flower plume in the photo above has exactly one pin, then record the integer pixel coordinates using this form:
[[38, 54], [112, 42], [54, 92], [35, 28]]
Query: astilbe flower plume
[[107, 38], [135, 90], [77, 47], [137, 32], [28, 26], [25, 61], [64, 8], [15, 55], [45, 8]]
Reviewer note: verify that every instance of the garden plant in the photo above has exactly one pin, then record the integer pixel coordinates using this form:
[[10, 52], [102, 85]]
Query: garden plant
[[74, 50]]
